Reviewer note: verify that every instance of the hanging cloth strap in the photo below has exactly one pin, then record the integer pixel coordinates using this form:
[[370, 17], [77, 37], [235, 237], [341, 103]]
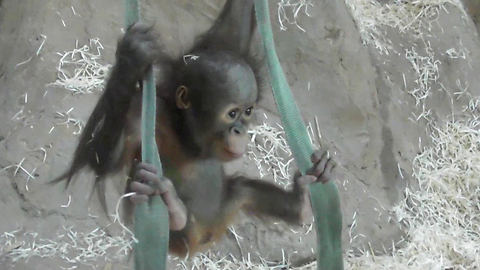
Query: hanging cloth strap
[[324, 197], [152, 227]]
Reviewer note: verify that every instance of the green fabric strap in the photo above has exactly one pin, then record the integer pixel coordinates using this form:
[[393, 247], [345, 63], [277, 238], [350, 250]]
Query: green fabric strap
[[324, 197], [152, 227]]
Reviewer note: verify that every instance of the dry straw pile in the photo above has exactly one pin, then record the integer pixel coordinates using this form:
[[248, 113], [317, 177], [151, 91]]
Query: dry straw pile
[[442, 215]]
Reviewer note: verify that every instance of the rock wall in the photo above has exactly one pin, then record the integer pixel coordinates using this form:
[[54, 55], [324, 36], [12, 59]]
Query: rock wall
[[358, 93]]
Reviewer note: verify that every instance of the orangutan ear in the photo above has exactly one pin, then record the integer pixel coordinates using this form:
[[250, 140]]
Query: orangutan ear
[[181, 97]]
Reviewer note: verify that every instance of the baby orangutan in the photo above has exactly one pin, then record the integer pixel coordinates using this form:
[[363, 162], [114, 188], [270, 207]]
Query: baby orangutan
[[205, 105]]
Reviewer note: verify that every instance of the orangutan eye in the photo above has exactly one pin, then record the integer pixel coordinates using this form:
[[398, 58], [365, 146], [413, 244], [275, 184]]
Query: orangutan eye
[[248, 112], [233, 114]]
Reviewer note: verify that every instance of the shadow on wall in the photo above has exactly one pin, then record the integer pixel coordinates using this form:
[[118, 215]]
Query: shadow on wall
[[472, 7]]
